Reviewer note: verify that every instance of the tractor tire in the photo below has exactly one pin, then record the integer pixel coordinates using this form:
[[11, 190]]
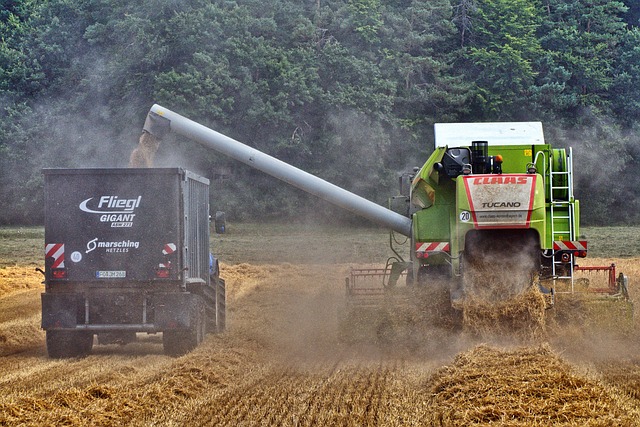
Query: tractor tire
[[435, 298], [385, 332], [67, 344]]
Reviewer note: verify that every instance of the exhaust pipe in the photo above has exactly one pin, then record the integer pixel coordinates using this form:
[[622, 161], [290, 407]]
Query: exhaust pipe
[[160, 120]]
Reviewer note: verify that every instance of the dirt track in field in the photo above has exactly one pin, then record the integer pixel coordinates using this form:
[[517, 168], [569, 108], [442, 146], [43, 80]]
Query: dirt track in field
[[280, 363]]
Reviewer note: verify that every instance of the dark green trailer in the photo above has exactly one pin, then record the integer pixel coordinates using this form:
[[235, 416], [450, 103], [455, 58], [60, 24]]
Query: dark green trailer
[[127, 252]]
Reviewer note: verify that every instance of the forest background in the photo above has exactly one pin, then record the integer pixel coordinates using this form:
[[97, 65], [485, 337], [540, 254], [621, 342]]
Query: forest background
[[345, 89]]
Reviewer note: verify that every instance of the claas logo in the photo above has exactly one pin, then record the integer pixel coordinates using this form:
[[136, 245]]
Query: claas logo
[[507, 179]]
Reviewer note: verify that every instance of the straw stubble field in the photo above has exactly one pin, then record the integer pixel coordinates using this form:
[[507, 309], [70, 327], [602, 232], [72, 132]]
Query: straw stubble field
[[280, 362]]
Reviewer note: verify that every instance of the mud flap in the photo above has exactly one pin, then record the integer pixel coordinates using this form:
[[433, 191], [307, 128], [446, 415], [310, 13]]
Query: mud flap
[[60, 311], [175, 310]]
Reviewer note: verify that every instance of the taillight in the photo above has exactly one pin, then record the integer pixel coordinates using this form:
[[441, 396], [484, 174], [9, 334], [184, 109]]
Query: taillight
[[59, 273], [581, 254], [162, 273]]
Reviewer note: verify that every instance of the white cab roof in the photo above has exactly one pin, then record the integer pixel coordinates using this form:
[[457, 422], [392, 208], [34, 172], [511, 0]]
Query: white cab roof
[[503, 133]]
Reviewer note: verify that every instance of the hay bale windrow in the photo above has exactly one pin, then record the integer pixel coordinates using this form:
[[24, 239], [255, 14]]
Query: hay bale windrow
[[521, 318], [522, 386]]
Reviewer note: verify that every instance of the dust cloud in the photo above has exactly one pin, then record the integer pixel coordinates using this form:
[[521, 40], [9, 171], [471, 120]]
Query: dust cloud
[[302, 317]]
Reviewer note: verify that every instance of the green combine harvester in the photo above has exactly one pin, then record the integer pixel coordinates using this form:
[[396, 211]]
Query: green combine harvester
[[494, 190], [492, 198]]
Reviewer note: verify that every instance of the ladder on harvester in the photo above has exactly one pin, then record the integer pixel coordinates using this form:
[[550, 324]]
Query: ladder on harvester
[[562, 211]]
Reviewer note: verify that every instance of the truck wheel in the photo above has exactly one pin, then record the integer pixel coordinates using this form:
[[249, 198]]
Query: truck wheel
[[180, 342], [63, 344]]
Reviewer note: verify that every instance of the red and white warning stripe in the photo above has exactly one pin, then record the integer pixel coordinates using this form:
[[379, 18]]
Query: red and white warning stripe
[[55, 251], [169, 248], [432, 246], [562, 245], [423, 249]]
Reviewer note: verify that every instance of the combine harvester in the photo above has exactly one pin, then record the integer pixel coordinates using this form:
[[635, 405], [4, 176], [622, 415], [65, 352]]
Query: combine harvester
[[491, 197]]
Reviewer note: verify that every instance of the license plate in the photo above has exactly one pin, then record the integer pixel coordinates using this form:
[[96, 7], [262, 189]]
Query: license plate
[[111, 274]]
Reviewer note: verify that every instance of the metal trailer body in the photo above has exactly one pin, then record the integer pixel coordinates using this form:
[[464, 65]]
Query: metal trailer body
[[127, 251]]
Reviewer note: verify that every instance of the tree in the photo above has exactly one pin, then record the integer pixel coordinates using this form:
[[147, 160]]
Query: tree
[[500, 52], [340, 88], [625, 90], [582, 39], [420, 57], [632, 17]]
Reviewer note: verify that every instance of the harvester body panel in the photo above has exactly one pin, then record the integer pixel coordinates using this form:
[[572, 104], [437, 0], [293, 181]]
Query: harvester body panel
[[502, 201]]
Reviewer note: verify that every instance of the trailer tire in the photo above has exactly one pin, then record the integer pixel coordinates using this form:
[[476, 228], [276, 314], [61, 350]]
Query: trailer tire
[[67, 344], [221, 306], [180, 342]]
